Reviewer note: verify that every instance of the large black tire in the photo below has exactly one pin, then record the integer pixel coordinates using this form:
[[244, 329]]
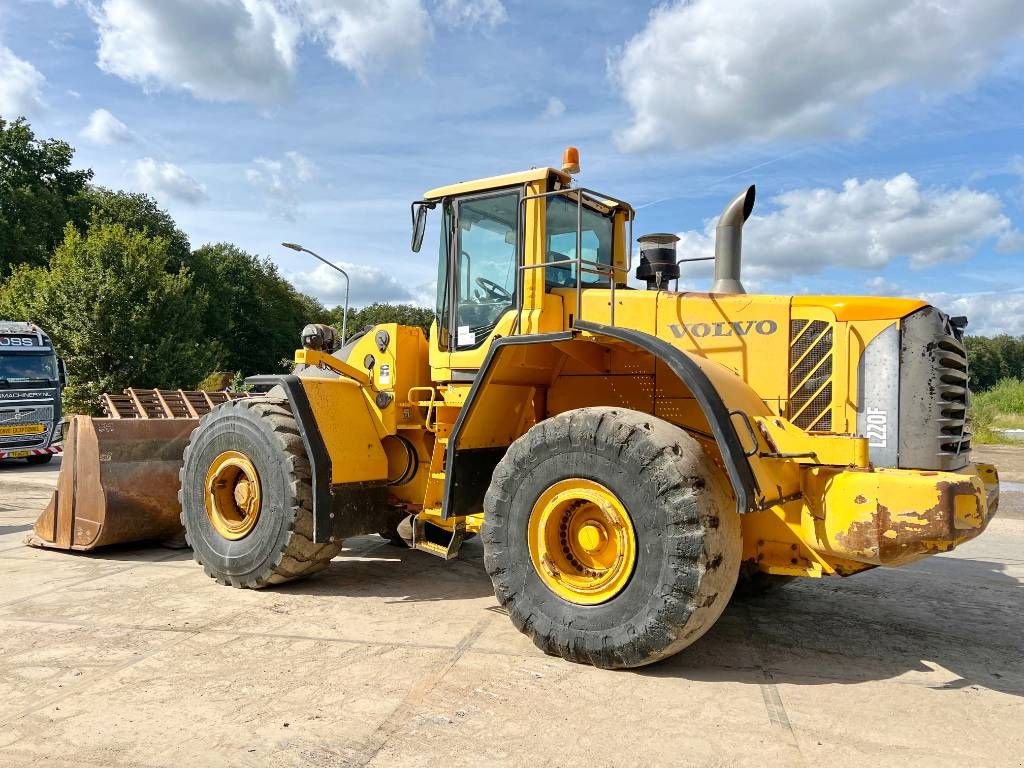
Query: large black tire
[[44, 458], [280, 547], [686, 523]]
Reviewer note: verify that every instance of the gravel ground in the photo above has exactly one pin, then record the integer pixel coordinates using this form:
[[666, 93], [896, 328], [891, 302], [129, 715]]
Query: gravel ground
[[133, 657]]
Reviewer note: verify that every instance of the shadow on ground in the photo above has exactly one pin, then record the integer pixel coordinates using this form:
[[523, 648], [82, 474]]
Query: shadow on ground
[[955, 614]]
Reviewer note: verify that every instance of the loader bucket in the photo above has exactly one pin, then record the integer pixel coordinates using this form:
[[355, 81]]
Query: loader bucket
[[118, 483]]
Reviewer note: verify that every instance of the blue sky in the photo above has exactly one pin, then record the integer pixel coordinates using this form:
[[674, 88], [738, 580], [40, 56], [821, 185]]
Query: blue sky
[[884, 136]]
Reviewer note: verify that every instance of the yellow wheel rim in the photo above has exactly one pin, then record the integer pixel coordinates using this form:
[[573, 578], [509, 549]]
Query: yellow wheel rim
[[233, 495], [582, 541]]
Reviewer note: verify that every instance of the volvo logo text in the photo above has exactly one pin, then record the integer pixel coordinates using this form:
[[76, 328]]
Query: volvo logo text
[[735, 328]]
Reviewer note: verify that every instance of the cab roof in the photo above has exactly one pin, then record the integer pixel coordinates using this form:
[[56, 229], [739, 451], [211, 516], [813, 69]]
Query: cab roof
[[495, 182]]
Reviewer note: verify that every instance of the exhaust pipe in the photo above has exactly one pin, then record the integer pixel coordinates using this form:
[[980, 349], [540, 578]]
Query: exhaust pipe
[[729, 242]]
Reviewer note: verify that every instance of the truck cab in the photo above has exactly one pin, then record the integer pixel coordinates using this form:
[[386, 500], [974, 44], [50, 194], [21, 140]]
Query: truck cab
[[31, 379]]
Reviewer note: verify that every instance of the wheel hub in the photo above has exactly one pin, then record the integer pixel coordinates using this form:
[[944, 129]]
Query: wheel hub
[[233, 495], [582, 542]]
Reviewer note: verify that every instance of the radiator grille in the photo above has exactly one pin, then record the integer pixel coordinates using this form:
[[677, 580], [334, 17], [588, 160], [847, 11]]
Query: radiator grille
[[38, 415], [810, 374], [933, 431], [951, 392]]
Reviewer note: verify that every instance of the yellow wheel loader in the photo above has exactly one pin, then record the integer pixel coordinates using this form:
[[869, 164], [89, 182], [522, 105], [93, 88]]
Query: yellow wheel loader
[[628, 456]]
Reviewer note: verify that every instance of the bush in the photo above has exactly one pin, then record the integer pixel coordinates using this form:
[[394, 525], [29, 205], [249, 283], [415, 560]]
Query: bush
[[1001, 407], [217, 381]]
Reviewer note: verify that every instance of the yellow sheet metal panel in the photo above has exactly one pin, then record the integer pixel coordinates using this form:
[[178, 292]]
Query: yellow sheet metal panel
[[793, 444], [845, 308], [635, 310], [570, 392], [893, 517], [350, 428], [739, 332], [496, 182], [394, 369]]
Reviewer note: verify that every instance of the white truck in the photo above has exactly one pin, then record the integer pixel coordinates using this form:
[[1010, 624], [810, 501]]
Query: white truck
[[31, 379]]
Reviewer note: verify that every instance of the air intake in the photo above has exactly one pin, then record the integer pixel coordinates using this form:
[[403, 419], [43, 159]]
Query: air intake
[[657, 260]]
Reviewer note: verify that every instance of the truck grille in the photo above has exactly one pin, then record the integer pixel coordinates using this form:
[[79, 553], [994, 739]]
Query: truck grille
[[933, 393], [38, 415], [810, 374]]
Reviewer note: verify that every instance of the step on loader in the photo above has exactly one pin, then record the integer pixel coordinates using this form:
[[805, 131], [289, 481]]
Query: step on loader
[[629, 457]]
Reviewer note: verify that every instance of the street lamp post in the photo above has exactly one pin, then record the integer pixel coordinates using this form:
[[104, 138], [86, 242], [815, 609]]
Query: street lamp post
[[344, 317]]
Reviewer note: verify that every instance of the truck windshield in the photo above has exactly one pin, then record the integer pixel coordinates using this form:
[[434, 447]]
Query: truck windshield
[[17, 368]]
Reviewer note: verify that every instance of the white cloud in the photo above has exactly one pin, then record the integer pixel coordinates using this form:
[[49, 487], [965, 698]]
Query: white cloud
[[472, 13], [280, 182], [369, 284], [864, 225], [163, 180], [703, 73], [220, 50], [880, 286], [304, 168], [21, 86], [104, 128], [554, 108], [988, 313], [363, 35]]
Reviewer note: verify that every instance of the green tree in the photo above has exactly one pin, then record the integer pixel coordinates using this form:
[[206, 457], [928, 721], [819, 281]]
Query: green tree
[[994, 358], [377, 313], [139, 212], [115, 312], [39, 194], [254, 314]]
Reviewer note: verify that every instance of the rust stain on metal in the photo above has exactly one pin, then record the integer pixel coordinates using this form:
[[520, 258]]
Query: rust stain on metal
[[896, 537]]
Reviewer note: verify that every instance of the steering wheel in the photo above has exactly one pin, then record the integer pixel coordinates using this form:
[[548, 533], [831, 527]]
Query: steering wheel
[[493, 290]]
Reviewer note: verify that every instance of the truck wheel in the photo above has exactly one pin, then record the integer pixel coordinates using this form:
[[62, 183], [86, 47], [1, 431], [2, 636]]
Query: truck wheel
[[44, 458], [246, 496], [610, 537]]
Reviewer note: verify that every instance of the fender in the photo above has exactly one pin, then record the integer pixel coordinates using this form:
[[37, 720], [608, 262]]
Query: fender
[[346, 473], [741, 476], [744, 484], [312, 441]]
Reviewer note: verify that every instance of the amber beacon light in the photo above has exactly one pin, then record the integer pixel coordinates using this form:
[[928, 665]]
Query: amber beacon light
[[571, 160]]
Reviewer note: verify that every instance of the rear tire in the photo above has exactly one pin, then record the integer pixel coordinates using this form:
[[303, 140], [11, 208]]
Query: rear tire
[[45, 458], [683, 517], [278, 546]]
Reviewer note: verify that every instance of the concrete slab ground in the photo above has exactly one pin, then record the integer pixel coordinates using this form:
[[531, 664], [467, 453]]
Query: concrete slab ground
[[132, 657]]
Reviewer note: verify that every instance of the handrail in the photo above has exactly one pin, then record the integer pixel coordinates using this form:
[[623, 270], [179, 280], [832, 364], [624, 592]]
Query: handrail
[[429, 405], [582, 265]]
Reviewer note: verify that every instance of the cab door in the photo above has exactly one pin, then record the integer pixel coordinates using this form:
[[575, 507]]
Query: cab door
[[484, 258]]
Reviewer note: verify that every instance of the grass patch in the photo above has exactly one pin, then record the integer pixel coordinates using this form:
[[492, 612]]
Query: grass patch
[[1001, 407]]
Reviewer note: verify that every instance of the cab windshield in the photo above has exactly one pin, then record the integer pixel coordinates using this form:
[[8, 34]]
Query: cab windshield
[[21, 368]]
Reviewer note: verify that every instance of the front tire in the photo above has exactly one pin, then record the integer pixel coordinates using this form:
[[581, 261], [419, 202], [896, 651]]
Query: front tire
[[601, 475], [246, 496], [44, 458]]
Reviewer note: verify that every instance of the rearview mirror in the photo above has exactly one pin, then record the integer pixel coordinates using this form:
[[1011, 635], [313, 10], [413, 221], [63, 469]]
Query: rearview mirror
[[419, 225], [62, 372]]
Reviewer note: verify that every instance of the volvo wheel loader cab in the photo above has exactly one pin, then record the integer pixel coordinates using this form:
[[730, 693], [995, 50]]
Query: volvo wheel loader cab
[[628, 456]]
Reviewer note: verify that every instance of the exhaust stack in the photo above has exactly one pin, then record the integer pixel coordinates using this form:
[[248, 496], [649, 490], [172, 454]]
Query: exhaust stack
[[729, 242]]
